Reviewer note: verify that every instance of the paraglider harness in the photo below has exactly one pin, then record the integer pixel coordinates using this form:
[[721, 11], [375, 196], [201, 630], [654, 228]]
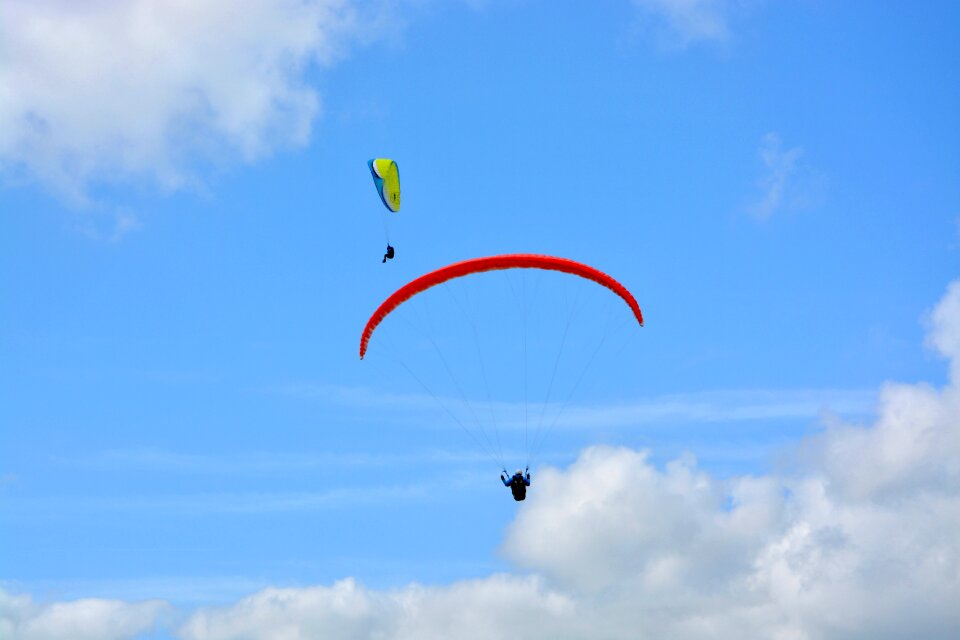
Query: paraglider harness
[[389, 254], [518, 484]]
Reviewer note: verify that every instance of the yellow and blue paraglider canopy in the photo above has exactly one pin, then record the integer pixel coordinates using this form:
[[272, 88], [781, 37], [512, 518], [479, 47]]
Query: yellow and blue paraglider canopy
[[387, 178]]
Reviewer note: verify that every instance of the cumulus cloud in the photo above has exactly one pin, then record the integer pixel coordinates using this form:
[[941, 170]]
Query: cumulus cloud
[[913, 450], [678, 554], [944, 335], [860, 539], [117, 89], [94, 619], [493, 607]]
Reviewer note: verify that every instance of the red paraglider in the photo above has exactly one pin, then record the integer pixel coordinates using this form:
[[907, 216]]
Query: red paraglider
[[493, 263]]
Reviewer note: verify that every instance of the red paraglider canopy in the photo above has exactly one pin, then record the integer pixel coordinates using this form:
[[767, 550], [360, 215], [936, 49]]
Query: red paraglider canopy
[[493, 263]]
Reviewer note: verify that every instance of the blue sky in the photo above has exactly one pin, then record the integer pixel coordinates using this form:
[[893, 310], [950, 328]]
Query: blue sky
[[191, 245]]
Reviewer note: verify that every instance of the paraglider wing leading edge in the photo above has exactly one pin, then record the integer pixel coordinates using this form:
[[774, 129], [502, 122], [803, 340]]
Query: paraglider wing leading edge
[[493, 263]]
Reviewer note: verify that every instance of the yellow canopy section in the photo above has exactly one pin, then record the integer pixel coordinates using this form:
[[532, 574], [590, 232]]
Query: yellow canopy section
[[386, 176]]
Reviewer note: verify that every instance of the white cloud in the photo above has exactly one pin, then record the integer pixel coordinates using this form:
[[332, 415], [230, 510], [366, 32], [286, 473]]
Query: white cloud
[[204, 504], [111, 90], [245, 463], [914, 447], [704, 406], [494, 607], [95, 619], [780, 172], [689, 21], [861, 540], [944, 334], [723, 406]]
